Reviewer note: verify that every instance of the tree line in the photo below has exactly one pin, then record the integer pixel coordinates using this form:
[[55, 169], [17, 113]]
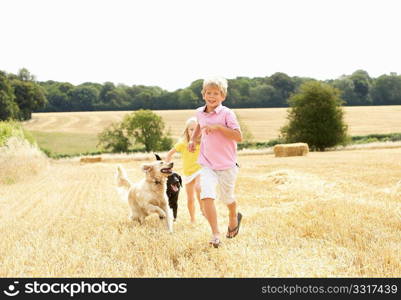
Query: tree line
[[20, 94]]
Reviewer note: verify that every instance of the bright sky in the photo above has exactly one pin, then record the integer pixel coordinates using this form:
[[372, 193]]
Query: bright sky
[[170, 43]]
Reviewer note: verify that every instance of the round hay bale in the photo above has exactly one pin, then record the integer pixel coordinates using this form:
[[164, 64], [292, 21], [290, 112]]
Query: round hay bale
[[91, 159], [295, 149]]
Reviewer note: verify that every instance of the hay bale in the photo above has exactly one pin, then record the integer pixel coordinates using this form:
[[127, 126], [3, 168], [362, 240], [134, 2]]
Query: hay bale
[[295, 149], [93, 159]]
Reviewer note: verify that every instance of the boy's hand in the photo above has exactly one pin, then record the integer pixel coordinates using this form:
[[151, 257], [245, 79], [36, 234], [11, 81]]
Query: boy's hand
[[191, 146], [210, 128]]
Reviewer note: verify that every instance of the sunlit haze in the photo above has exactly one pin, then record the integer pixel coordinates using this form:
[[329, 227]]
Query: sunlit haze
[[172, 43]]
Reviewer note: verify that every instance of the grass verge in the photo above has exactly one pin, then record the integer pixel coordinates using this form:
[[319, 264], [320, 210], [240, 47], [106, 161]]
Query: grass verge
[[63, 144]]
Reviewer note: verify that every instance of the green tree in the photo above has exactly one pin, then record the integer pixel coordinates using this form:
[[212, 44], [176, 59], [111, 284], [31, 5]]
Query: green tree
[[25, 75], [315, 117], [347, 88], [65, 87], [84, 97], [187, 99], [147, 128], [362, 85], [284, 85], [113, 139], [355, 88], [233, 97], [386, 90], [196, 87], [263, 95], [29, 97], [58, 95], [58, 101], [8, 108]]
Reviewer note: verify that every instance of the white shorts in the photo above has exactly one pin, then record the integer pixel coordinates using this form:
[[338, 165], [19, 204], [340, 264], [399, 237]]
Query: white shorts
[[225, 179], [189, 178]]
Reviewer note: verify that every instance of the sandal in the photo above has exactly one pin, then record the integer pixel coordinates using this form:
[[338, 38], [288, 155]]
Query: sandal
[[236, 229], [215, 241]]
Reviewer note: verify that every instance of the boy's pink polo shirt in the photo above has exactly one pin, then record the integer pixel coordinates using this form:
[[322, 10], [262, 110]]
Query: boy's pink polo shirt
[[216, 151]]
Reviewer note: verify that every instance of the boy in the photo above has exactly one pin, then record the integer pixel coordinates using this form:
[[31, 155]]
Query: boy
[[218, 155]]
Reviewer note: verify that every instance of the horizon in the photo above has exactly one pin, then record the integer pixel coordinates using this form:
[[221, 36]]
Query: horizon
[[250, 77]]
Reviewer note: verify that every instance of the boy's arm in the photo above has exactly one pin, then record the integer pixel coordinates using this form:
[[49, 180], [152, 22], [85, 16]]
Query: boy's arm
[[233, 134], [191, 143], [170, 154]]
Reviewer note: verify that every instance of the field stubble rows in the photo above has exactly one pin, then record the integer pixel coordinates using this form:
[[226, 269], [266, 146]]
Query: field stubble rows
[[263, 123], [326, 214]]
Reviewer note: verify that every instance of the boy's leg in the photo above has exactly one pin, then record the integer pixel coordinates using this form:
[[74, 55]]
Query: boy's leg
[[189, 188], [232, 216], [211, 215], [227, 180], [208, 183]]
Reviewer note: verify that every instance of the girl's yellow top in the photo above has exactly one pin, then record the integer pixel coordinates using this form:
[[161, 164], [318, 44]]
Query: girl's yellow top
[[189, 159]]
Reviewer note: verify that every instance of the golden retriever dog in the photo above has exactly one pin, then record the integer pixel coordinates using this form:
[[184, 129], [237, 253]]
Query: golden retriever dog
[[148, 195]]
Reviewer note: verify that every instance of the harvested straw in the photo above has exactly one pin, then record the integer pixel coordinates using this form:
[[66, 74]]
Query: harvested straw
[[19, 159], [296, 149], [91, 159]]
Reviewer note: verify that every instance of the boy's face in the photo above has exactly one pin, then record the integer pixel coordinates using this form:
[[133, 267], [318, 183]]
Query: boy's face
[[213, 98]]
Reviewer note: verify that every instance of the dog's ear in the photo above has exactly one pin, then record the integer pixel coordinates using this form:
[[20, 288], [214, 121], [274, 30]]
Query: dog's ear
[[180, 179], [157, 157], [146, 168]]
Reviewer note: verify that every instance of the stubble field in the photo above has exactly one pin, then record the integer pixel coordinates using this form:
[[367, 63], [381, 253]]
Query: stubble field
[[324, 215], [329, 214], [264, 123]]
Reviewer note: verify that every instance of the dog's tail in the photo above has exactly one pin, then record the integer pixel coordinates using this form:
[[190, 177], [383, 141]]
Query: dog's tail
[[122, 179], [123, 183]]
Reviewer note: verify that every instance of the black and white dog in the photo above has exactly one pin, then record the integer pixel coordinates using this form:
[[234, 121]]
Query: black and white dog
[[174, 183]]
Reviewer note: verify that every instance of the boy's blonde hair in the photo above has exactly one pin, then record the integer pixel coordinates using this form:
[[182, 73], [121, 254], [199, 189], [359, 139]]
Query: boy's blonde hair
[[185, 134], [217, 82]]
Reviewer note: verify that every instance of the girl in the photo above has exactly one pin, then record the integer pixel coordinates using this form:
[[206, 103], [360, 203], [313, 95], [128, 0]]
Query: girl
[[191, 168]]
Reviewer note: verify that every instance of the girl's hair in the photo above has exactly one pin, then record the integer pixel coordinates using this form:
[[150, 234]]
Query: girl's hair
[[217, 82], [185, 134]]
